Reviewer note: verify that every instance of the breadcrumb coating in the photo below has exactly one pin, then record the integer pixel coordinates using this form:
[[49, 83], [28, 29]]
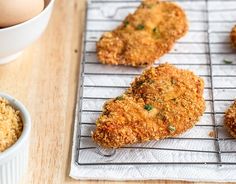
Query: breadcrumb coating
[[144, 36], [230, 119], [162, 102], [11, 125], [233, 37]]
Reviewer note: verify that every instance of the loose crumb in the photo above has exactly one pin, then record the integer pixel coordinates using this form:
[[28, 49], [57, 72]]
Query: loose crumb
[[212, 134], [11, 125]]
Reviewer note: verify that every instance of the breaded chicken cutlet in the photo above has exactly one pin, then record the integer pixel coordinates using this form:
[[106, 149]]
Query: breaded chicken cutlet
[[233, 36], [144, 36], [230, 119], [162, 102]]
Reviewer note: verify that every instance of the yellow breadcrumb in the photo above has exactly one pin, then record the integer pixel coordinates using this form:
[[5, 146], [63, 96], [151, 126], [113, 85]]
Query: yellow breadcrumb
[[11, 125], [162, 102], [144, 36]]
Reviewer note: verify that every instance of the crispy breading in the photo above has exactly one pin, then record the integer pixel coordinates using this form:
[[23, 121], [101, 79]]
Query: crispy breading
[[144, 36], [233, 36], [230, 119], [162, 102]]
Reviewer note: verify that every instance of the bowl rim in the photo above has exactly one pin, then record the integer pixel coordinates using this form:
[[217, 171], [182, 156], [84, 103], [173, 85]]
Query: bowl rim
[[30, 20], [26, 126]]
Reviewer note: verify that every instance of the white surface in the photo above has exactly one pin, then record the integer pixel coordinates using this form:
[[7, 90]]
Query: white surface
[[16, 38], [189, 53], [14, 160]]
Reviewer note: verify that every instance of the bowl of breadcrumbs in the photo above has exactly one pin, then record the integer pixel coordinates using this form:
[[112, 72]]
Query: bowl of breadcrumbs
[[15, 124]]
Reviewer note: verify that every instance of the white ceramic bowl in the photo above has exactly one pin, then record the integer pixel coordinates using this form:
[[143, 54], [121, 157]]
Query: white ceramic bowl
[[14, 39], [14, 160]]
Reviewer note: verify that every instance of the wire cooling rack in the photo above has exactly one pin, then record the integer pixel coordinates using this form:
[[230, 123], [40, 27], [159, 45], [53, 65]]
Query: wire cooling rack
[[205, 50]]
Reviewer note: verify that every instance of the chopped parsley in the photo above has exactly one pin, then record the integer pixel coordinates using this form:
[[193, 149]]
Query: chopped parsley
[[156, 32], [227, 61], [138, 84], [140, 27], [148, 107], [119, 98], [171, 128], [126, 23], [149, 6]]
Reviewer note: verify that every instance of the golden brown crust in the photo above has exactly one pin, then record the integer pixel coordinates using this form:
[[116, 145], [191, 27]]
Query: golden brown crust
[[230, 119], [233, 37], [162, 102], [144, 36]]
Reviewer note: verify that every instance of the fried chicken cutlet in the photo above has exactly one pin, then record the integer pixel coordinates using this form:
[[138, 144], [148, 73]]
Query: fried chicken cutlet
[[162, 102], [233, 36], [144, 36], [230, 119]]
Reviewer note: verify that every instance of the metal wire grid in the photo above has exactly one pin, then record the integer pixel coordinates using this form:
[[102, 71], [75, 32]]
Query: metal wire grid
[[84, 145]]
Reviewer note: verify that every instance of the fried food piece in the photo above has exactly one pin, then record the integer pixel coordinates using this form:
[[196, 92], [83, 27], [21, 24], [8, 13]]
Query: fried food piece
[[230, 119], [233, 36], [144, 36], [162, 102]]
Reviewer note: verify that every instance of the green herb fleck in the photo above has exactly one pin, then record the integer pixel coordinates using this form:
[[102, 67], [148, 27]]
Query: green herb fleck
[[148, 107], [138, 84], [171, 128], [156, 32], [144, 5], [228, 62], [119, 98], [140, 27], [126, 23], [149, 6]]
